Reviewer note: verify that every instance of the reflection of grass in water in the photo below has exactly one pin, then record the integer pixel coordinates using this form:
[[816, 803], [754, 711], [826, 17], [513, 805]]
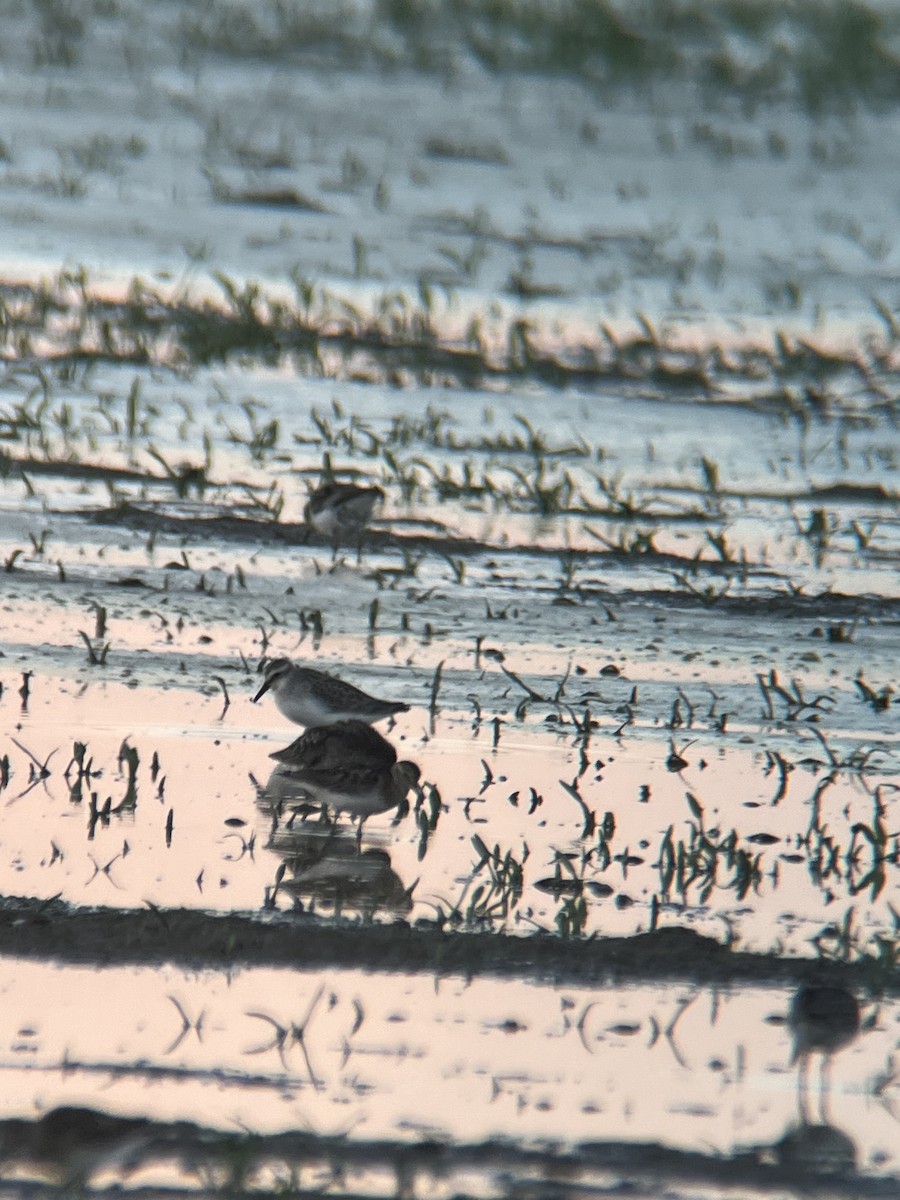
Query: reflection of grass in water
[[420, 458], [696, 864], [397, 336], [846, 853]]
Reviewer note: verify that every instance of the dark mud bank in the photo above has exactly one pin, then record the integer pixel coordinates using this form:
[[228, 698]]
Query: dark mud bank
[[104, 936]]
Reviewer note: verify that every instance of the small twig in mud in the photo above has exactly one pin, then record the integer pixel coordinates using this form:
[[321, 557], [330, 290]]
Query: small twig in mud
[[100, 614], [689, 706], [157, 913], [96, 814], [221, 682], [186, 1026], [676, 720], [98, 870], [880, 700], [79, 750], [295, 1033], [95, 658], [584, 728], [561, 686], [683, 1006], [457, 566], [313, 620], [129, 756], [581, 1023], [769, 714], [522, 684], [676, 760], [435, 689], [590, 817], [855, 761], [707, 596], [784, 769], [271, 891], [832, 757], [794, 699], [42, 772]]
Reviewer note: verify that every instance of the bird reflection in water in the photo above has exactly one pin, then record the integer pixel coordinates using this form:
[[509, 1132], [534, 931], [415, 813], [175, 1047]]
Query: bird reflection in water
[[332, 871], [816, 1150], [67, 1145]]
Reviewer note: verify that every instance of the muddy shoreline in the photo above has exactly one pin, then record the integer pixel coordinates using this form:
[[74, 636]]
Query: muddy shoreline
[[553, 1170], [245, 530], [610, 324], [194, 939]]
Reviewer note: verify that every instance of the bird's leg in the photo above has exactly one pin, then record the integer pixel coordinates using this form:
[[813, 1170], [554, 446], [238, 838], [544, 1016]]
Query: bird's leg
[[359, 829], [802, 1082], [825, 1093]]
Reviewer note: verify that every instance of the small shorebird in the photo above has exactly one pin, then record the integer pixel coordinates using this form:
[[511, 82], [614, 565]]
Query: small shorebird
[[359, 791], [822, 1019], [336, 746], [346, 767], [309, 697], [336, 509]]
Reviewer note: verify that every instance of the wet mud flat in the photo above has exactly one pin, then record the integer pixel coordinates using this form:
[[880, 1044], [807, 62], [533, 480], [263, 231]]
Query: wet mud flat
[[581, 789], [652, 707], [53, 930], [323, 1035], [609, 319], [236, 1163]]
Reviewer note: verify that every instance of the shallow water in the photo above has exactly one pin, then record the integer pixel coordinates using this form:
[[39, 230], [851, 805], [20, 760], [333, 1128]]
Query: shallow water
[[401, 1059], [620, 352]]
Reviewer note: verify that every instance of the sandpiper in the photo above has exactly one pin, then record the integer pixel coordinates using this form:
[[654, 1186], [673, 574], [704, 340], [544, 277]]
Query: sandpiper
[[309, 697], [334, 508], [345, 767], [337, 746], [822, 1019], [358, 790]]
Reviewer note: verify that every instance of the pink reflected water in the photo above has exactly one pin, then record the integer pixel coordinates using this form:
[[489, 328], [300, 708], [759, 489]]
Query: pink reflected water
[[203, 826], [395, 1057]]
